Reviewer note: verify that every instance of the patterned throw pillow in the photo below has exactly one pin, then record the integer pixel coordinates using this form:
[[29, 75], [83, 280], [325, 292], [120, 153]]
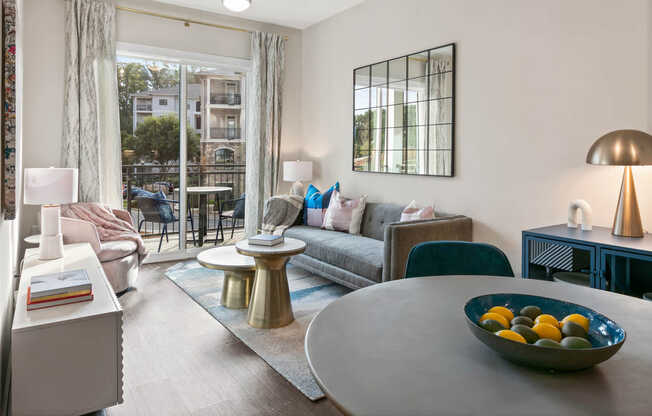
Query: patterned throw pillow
[[414, 213], [344, 214], [315, 205]]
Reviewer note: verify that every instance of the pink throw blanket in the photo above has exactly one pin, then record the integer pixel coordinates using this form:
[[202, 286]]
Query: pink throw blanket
[[109, 227]]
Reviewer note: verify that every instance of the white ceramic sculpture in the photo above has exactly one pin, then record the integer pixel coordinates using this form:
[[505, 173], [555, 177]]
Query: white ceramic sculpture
[[580, 206]]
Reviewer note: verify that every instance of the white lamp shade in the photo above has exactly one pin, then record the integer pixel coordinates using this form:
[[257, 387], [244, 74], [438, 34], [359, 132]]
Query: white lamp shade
[[297, 170], [44, 186], [236, 5]]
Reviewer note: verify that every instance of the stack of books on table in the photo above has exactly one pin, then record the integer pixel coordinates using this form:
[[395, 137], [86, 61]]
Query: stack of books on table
[[265, 240], [59, 289]]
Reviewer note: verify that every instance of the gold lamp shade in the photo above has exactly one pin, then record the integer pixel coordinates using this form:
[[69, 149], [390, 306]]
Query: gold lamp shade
[[624, 148]]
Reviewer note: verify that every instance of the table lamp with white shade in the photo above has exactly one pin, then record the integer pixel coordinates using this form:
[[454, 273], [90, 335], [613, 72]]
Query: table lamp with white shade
[[297, 171], [50, 187]]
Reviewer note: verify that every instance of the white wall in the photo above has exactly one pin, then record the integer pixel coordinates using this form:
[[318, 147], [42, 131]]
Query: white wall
[[44, 63], [537, 83]]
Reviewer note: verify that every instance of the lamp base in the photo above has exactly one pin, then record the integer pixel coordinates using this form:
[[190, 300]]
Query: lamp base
[[50, 247], [51, 241], [297, 189], [627, 221]]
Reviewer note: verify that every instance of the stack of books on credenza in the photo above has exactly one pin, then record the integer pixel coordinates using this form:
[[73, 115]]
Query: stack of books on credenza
[[59, 289]]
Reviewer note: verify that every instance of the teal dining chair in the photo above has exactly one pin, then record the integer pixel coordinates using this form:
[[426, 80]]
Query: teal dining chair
[[440, 258]]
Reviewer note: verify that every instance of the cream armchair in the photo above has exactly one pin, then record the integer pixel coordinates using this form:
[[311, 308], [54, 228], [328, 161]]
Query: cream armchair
[[119, 259]]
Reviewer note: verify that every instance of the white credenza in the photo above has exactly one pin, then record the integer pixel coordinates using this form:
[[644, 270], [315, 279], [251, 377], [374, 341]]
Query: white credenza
[[66, 360]]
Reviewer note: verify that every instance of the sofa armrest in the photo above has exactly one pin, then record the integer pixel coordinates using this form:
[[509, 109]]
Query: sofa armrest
[[123, 215], [80, 231], [401, 237]]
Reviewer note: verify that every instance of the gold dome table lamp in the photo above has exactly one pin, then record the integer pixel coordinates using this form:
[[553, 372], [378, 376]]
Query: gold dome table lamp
[[624, 148]]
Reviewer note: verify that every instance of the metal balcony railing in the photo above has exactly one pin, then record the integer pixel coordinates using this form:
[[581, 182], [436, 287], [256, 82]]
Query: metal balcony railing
[[143, 107], [228, 99], [229, 133]]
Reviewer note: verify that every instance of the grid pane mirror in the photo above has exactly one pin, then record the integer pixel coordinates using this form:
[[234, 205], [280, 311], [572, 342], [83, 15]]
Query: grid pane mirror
[[403, 114]]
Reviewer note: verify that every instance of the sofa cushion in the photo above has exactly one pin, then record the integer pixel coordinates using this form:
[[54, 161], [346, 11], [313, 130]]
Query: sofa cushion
[[355, 253], [113, 250], [377, 217]]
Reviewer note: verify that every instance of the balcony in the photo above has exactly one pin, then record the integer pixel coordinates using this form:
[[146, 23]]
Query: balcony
[[226, 99], [143, 107], [229, 133]]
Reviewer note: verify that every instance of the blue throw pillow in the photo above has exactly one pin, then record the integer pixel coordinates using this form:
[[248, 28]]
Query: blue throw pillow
[[164, 207], [315, 204]]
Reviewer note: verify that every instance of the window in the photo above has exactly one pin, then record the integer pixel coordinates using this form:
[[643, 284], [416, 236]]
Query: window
[[163, 101], [197, 123], [198, 106], [224, 156]]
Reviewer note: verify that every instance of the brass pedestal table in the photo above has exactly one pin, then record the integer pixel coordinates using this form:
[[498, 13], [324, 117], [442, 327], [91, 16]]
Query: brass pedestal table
[[270, 305], [238, 274]]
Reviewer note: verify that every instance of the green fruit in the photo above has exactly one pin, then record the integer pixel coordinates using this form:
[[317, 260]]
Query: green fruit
[[492, 325], [572, 329], [575, 343], [545, 342], [531, 311], [526, 332], [522, 320]]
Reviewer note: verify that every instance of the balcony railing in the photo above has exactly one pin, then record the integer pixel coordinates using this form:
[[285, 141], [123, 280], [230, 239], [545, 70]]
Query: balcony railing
[[165, 178], [229, 133], [143, 107], [228, 99]]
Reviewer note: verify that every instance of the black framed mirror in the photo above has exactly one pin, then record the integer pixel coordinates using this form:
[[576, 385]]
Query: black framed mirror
[[404, 114]]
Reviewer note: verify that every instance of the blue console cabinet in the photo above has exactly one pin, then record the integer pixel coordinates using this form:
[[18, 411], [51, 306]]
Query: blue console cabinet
[[610, 261]]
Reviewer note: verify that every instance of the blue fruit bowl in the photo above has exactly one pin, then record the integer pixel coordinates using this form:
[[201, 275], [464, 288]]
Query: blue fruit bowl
[[604, 334]]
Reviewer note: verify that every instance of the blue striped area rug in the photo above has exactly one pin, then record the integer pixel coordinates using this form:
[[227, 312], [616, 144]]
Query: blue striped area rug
[[281, 348]]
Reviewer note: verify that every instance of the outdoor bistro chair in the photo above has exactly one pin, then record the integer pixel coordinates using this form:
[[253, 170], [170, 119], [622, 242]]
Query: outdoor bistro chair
[[159, 211], [234, 210]]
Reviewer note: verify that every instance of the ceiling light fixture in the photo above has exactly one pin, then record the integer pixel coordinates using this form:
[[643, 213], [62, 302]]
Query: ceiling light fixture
[[236, 5]]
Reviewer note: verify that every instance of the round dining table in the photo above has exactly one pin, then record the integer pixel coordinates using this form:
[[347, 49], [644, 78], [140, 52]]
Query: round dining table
[[203, 192], [404, 348]]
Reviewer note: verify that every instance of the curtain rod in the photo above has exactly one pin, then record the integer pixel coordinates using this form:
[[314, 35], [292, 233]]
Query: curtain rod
[[186, 22]]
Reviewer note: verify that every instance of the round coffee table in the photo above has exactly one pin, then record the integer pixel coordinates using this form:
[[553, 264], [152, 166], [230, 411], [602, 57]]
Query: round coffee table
[[270, 305], [238, 274]]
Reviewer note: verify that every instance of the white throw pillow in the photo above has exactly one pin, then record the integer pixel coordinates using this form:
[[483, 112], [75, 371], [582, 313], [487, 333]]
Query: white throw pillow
[[344, 214], [413, 213]]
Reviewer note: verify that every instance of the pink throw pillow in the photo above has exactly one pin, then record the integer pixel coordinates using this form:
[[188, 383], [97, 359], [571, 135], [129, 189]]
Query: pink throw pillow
[[413, 213], [344, 214]]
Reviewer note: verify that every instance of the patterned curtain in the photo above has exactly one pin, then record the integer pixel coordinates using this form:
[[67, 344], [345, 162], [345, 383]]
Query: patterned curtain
[[263, 125], [91, 130], [8, 158]]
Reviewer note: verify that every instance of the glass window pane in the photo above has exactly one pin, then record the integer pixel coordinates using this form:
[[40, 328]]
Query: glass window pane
[[441, 111], [396, 92], [441, 60], [417, 113], [378, 139], [395, 138], [440, 162], [413, 161], [361, 120], [440, 137], [361, 139], [416, 137], [379, 161], [362, 98], [441, 85], [378, 96], [395, 161], [397, 69], [378, 117], [418, 65], [417, 89], [379, 74], [361, 162], [395, 115], [361, 77]]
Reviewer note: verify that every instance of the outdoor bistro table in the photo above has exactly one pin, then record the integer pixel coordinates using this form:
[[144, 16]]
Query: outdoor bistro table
[[203, 192], [404, 348]]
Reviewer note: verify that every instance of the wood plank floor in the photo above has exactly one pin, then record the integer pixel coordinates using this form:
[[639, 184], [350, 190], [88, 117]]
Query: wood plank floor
[[180, 361]]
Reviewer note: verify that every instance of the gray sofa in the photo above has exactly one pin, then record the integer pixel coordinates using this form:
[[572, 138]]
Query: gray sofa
[[380, 252]]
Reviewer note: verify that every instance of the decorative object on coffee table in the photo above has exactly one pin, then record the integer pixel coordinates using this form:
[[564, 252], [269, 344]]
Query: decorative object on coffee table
[[624, 148], [50, 187], [404, 114], [297, 171], [581, 207], [238, 274], [270, 305]]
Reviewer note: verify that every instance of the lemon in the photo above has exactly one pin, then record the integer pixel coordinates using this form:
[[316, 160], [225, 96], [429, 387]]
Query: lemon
[[501, 310], [506, 333], [578, 319], [547, 319], [547, 331], [496, 317]]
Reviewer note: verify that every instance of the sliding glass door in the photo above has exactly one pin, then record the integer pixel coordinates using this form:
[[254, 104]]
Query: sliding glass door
[[183, 149]]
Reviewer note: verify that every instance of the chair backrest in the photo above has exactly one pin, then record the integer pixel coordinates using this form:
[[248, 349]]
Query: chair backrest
[[155, 210], [440, 258], [239, 209]]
